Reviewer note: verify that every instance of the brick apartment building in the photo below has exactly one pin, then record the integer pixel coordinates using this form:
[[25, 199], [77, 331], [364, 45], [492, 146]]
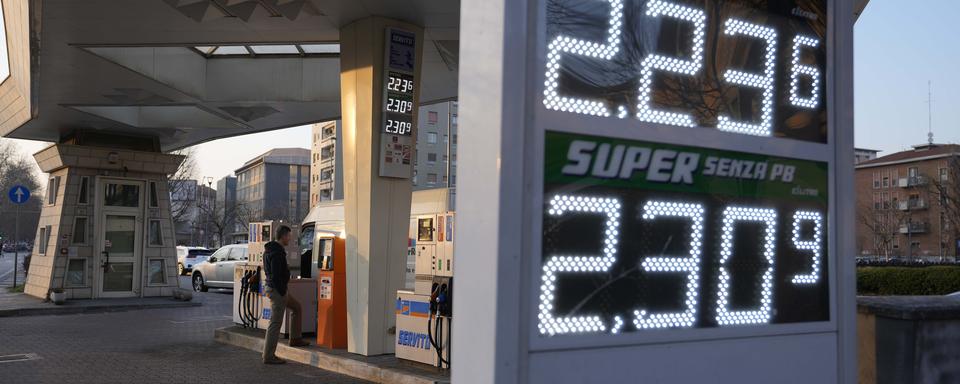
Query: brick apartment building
[[907, 203]]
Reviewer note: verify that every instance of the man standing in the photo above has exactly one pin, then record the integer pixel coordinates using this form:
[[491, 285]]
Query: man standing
[[278, 275]]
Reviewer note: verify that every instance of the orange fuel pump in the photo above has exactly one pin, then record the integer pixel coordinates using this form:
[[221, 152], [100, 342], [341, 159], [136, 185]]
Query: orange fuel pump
[[332, 291]]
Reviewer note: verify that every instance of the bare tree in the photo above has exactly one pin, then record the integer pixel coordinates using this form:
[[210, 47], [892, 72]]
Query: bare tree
[[883, 224], [945, 192], [244, 215], [16, 168], [221, 221], [180, 189]]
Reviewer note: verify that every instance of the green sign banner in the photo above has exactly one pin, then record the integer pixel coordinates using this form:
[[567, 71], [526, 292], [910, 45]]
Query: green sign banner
[[591, 160]]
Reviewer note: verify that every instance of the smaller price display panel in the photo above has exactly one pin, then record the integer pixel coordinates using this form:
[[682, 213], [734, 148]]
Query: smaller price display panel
[[752, 67], [398, 124], [646, 237], [400, 83]]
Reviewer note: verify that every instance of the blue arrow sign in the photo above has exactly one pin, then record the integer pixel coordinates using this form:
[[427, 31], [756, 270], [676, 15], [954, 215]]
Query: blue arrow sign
[[19, 194]]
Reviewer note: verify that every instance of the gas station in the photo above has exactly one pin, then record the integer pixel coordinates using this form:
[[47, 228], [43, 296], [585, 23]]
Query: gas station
[[649, 189]]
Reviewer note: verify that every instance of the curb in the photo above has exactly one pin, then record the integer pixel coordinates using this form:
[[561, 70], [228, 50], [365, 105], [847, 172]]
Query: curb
[[55, 311], [327, 361]]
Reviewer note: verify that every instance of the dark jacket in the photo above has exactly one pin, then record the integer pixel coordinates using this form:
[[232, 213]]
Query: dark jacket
[[275, 267]]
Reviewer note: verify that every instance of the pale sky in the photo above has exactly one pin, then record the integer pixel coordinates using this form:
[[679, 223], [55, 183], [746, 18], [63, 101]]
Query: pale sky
[[899, 46]]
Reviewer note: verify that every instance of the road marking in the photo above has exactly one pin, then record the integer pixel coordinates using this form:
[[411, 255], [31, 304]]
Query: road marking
[[19, 357]]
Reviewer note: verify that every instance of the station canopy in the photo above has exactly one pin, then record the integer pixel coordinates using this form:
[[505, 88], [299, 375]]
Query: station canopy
[[190, 71]]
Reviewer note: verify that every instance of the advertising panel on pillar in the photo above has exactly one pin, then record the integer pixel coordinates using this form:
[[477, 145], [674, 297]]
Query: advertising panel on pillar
[[680, 214]]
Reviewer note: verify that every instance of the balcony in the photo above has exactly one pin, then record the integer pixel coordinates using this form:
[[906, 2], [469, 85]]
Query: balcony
[[914, 228], [910, 205], [914, 181]]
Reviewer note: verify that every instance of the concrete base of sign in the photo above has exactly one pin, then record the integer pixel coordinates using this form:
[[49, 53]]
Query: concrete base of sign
[[378, 369]]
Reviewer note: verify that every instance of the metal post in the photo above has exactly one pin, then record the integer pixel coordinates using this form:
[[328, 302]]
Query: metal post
[[16, 245]]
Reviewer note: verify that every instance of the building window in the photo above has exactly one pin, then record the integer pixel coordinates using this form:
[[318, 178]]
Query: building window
[[155, 272], [121, 195], [79, 230], [154, 197], [84, 196], [876, 180], [913, 172], [431, 178], [431, 158], [155, 233], [886, 182], [943, 174], [431, 137], [53, 187], [76, 273], [44, 239], [432, 117]]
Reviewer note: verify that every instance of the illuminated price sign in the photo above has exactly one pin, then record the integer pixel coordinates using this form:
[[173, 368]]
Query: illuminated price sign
[[640, 236], [737, 66], [399, 103], [671, 182], [398, 124], [400, 82]]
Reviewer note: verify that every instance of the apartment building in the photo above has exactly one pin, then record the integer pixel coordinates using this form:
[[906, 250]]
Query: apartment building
[[326, 162], [435, 165], [275, 185], [906, 205]]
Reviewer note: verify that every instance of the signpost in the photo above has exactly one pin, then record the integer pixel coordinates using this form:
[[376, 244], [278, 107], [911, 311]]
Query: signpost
[[18, 195], [665, 188]]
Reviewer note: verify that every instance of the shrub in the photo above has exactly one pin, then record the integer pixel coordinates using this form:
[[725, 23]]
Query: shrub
[[938, 280]]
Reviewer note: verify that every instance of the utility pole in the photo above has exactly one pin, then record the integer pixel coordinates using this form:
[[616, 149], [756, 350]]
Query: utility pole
[[16, 245], [929, 113]]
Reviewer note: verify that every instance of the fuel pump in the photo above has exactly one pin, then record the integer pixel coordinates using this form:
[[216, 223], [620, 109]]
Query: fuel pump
[[252, 307], [424, 316]]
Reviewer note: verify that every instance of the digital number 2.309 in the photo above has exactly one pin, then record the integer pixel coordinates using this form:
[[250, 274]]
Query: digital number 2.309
[[550, 324]]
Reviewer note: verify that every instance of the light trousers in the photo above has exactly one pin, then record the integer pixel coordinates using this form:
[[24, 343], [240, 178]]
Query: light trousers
[[278, 306]]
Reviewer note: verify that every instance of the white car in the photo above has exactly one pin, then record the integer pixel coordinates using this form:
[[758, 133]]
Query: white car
[[217, 270], [187, 257]]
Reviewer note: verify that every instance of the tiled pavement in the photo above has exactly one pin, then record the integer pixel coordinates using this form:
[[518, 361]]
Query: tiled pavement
[[145, 346]]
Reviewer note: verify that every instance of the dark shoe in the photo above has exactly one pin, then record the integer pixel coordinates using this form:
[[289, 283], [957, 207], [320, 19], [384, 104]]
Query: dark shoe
[[274, 360], [299, 343]]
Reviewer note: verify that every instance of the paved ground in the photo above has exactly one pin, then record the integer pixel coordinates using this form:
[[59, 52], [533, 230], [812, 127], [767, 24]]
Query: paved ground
[[146, 346]]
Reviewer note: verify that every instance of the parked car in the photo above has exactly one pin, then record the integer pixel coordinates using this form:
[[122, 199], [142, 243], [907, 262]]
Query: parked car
[[217, 270], [187, 257]]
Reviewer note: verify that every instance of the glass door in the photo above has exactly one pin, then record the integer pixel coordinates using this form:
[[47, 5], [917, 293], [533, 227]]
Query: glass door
[[120, 239], [119, 259]]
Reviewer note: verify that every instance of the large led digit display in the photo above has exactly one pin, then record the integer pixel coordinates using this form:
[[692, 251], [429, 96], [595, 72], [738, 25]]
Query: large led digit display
[[752, 67], [650, 237]]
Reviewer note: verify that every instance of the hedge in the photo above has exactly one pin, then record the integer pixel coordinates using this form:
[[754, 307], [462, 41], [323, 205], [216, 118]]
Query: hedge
[[938, 280]]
